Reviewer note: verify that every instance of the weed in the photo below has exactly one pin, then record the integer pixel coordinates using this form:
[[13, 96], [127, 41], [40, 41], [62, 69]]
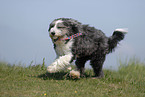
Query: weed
[[128, 81]]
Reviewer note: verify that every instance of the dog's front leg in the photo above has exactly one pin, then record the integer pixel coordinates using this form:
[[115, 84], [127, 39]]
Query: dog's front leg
[[60, 63]]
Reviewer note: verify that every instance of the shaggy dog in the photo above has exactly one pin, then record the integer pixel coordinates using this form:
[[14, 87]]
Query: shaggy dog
[[75, 41]]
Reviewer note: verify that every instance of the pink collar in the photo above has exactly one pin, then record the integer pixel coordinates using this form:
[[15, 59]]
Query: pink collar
[[72, 36]]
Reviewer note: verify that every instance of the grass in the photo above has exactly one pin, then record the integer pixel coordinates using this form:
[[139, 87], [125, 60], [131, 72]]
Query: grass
[[33, 81]]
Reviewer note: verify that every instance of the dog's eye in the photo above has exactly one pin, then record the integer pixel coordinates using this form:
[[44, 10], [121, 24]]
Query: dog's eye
[[60, 27]]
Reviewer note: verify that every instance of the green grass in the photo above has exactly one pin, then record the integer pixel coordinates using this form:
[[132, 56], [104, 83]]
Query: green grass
[[33, 81]]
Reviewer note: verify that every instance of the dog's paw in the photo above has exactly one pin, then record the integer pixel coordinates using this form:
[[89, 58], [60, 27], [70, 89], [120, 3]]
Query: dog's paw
[[51, 69], [74, 74]]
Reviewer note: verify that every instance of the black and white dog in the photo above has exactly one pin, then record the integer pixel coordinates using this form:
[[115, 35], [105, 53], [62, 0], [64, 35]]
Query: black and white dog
[[75, 41]]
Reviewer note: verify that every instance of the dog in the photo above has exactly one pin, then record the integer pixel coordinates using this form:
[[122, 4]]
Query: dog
[[75, 41]]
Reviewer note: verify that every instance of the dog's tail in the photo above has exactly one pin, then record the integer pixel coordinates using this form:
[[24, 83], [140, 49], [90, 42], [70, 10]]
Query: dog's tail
[[117, 36]]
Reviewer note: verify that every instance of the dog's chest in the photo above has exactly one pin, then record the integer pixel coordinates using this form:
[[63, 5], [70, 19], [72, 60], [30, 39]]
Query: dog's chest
[[63, 48]]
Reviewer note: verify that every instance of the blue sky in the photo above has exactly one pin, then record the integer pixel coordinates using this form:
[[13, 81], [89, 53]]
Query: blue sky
[[24, 24]]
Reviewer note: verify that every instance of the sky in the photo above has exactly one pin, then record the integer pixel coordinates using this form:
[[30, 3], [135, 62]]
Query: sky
[[24, 27]]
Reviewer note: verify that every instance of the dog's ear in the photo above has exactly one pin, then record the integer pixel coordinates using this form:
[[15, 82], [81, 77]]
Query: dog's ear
[[74, 29]]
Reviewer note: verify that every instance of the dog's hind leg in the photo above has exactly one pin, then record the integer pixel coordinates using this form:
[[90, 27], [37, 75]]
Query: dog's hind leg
[[97, 64], [80, 63]]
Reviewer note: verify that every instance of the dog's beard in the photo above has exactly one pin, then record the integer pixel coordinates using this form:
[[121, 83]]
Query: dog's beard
[[55, 38]]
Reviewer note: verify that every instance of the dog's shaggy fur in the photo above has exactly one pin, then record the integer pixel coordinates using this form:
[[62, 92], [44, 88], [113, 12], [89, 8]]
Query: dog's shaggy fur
[[91, 45]]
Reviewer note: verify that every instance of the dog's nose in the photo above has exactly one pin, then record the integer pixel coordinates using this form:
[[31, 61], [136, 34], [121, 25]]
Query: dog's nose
[[53, 33]]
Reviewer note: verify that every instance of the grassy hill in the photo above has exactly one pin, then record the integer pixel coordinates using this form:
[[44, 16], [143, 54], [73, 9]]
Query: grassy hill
[[33, 81]]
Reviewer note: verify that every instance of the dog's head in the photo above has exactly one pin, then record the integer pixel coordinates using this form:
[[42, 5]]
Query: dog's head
[[62, 28]]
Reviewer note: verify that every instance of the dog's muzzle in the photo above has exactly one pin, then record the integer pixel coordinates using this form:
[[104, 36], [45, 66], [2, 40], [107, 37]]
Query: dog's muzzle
[[52, 33]]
